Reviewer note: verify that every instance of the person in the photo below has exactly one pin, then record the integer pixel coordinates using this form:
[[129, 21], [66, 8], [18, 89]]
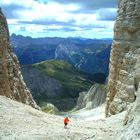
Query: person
[[66, 121]]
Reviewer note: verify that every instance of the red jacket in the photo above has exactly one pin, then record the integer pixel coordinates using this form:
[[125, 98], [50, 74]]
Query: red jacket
[[66, 120]]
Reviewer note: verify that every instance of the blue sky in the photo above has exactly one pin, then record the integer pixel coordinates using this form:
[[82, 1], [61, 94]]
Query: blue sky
[[61, 18]]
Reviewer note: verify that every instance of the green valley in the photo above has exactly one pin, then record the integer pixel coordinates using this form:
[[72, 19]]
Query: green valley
[[70, 78], [56, 82]]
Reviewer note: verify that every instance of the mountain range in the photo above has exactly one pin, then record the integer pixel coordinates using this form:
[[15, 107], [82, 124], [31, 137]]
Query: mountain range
[[88, 55], [55, 80], [61, 68]]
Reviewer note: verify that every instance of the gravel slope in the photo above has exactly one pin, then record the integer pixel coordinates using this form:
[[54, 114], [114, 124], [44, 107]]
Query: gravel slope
[[22, 122]]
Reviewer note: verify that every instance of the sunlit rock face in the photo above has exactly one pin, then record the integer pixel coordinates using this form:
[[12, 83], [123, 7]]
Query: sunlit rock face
[[93, 98], [11, 80], [124, 78], [124, 73]]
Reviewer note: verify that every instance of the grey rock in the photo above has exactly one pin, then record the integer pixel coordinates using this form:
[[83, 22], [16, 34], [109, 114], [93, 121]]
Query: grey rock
[[124, 62], [40, 84], [93, 98]]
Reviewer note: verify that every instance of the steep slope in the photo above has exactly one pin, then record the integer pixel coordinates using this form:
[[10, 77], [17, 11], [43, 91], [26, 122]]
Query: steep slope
[[131, 123], [124, 74], [95, 97], [56, 82], [41, 85], [73, 81], [11, 80], [95, 61], [21, 122]]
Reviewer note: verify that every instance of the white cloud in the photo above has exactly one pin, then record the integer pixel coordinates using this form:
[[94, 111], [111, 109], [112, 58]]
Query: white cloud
[[35, 10], [12, 21], [31, 11]]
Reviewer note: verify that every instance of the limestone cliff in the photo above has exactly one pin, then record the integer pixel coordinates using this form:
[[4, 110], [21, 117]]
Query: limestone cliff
[[124, 78], [41, 85], [124, 74], [132, 121], [11, 80], [93, 98]]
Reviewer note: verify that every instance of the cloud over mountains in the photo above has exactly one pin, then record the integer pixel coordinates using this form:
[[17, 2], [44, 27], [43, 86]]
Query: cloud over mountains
[[92, 19]]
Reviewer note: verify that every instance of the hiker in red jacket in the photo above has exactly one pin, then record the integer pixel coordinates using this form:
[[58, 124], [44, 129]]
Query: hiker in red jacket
[[66, 121]]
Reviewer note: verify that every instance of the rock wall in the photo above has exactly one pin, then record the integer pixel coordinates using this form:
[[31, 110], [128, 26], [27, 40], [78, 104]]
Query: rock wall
[[124, 75], [93, 98], [41, 85], [11, 80], [131, 125]]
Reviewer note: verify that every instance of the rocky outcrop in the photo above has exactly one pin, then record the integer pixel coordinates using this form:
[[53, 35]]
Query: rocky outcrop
[[41, 85], [50, 108], [93, 98], [11, 80], [124, 74], [132, 121]]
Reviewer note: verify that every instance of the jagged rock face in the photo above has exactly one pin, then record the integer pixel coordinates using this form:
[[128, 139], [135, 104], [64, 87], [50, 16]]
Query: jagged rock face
[[11, 80], [93, 98], [124, 74], [41, 85], [132, 121]]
